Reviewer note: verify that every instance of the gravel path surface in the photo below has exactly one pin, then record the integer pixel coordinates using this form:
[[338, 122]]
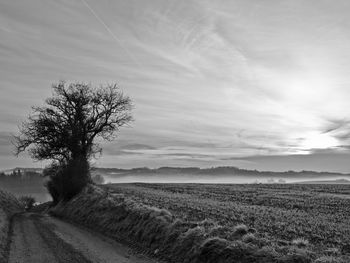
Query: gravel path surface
[[39, 238]]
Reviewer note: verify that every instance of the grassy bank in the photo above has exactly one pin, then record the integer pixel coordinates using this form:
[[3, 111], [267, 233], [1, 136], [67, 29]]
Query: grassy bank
[[172, 239], [9, 205], [317, 213]]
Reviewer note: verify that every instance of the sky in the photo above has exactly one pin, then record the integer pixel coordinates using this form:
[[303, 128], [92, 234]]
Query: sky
[[254, 84]]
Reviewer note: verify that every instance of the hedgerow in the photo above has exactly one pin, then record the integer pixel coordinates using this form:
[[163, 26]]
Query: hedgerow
[[162, 235]]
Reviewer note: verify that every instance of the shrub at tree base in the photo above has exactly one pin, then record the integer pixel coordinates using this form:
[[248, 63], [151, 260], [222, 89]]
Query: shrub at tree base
[[27, 202], [9, 205], [166, 237], [66, 180]]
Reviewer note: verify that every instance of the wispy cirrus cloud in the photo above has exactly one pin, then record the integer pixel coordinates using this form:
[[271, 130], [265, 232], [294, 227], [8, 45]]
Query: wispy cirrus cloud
[[211, 80]]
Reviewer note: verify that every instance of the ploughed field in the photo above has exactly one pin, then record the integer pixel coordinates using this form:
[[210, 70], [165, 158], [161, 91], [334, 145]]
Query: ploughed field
[[318, 213]]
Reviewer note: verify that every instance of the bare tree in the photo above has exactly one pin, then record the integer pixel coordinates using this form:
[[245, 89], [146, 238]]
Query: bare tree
[[66, 128]]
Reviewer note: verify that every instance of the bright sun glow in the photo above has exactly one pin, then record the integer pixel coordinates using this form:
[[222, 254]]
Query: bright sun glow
[[318, 141]]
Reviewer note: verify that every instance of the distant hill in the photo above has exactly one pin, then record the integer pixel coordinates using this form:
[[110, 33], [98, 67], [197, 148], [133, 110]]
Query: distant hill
[[18, 179], [222, 171]]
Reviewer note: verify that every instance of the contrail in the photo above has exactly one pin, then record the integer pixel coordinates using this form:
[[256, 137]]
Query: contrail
[[111, 33]]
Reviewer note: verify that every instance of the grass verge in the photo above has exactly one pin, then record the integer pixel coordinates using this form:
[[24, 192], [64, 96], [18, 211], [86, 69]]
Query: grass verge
[[9, 205]]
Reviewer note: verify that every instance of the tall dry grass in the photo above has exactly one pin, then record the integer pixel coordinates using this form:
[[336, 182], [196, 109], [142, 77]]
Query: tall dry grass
[[9, 205], [160, 234]]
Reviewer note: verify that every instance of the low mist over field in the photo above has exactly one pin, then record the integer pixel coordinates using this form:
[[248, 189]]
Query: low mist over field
[[218, 175], [29, 181], [220, 179]]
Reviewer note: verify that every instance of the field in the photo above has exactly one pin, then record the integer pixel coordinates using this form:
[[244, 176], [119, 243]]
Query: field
[[319, 214]]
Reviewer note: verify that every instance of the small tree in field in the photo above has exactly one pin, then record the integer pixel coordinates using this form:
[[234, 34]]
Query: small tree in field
[[65, 131]]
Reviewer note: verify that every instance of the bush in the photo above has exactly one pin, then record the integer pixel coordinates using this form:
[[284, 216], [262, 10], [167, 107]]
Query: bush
[[27, 202], [98, 179], [53, 190], [67, 180]]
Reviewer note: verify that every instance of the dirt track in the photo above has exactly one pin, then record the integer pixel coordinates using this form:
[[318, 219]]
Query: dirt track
[[39, 238]]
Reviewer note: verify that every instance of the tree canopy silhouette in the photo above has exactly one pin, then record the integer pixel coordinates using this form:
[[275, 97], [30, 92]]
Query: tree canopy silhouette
[[66, 128]]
